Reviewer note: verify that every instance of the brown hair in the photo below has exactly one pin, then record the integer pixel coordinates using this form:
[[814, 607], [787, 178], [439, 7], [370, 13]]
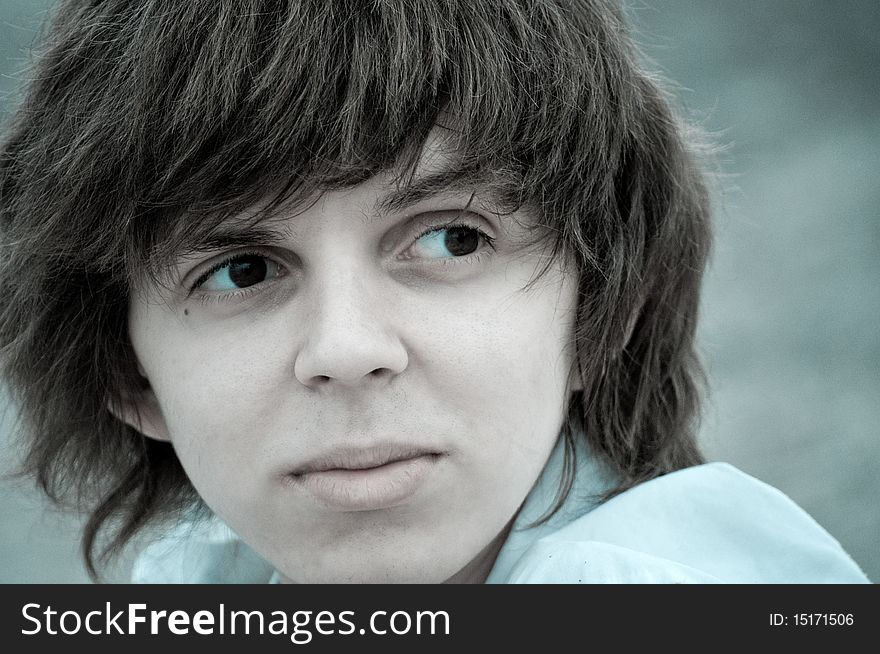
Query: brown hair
[[147, 124]]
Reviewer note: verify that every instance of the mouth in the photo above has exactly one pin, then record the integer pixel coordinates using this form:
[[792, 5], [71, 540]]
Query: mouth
[[366, 479]]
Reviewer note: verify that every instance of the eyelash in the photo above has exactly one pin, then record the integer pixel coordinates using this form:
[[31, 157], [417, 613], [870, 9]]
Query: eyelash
[[225, 262], [457, 224], [210, 298]]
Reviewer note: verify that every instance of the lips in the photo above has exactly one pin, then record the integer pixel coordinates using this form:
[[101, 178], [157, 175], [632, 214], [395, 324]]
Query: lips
[[361, 458], [366, 479]]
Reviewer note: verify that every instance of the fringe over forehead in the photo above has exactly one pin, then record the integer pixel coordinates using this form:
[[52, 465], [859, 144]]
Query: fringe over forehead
[[200, 107]]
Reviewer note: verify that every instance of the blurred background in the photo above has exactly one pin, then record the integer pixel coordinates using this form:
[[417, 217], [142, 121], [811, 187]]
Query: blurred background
[[791, 90]]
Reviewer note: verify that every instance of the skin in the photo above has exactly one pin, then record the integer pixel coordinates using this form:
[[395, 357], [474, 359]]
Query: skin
[[365, 328]]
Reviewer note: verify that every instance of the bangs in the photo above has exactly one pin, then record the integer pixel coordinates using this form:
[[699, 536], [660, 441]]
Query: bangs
[[204, 108]]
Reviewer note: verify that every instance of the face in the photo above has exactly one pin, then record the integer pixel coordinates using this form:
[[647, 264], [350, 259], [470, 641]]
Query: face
[[368, 395]]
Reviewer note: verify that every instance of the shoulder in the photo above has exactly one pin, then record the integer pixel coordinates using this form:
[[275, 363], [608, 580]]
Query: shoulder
[[709, 523]]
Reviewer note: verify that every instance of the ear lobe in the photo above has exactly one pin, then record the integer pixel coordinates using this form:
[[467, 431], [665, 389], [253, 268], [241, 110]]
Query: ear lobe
[[142, 413]]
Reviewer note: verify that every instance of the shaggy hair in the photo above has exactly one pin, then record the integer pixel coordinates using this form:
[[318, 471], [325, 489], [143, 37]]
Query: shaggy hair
[[148, 124]]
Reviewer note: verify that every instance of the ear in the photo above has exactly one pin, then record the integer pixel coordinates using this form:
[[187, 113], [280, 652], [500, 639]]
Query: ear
[[141, 411], [576, 382]]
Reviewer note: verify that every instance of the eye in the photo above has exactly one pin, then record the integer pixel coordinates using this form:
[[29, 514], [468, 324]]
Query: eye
[[238, 272], [450, 241]]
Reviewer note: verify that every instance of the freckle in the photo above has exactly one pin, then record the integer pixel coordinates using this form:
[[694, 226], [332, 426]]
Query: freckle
[[186, 312]]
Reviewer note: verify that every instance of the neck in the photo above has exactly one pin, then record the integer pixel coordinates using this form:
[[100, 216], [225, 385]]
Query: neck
[[480, 566]]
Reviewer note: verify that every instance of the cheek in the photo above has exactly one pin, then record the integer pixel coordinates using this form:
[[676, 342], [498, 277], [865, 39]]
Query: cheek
[[506, 370], [215, 391]]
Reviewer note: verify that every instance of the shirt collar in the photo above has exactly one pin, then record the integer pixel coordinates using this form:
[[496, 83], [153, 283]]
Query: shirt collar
[[591, 480]]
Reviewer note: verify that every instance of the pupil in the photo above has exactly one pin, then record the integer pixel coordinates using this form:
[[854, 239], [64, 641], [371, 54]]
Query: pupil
[[247, 271], [461, 240]]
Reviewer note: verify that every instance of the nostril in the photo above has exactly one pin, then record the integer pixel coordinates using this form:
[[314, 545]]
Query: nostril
[[333, 361]]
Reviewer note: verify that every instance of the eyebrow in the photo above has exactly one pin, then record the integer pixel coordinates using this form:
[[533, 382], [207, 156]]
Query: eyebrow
[[237, 235], [241, 234], [424, 188], [221, 237]]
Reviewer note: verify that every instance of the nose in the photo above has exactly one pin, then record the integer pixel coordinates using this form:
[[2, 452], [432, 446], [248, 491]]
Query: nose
[[351, 336]]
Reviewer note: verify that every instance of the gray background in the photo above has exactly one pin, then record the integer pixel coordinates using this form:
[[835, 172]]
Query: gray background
[[790, 89]]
